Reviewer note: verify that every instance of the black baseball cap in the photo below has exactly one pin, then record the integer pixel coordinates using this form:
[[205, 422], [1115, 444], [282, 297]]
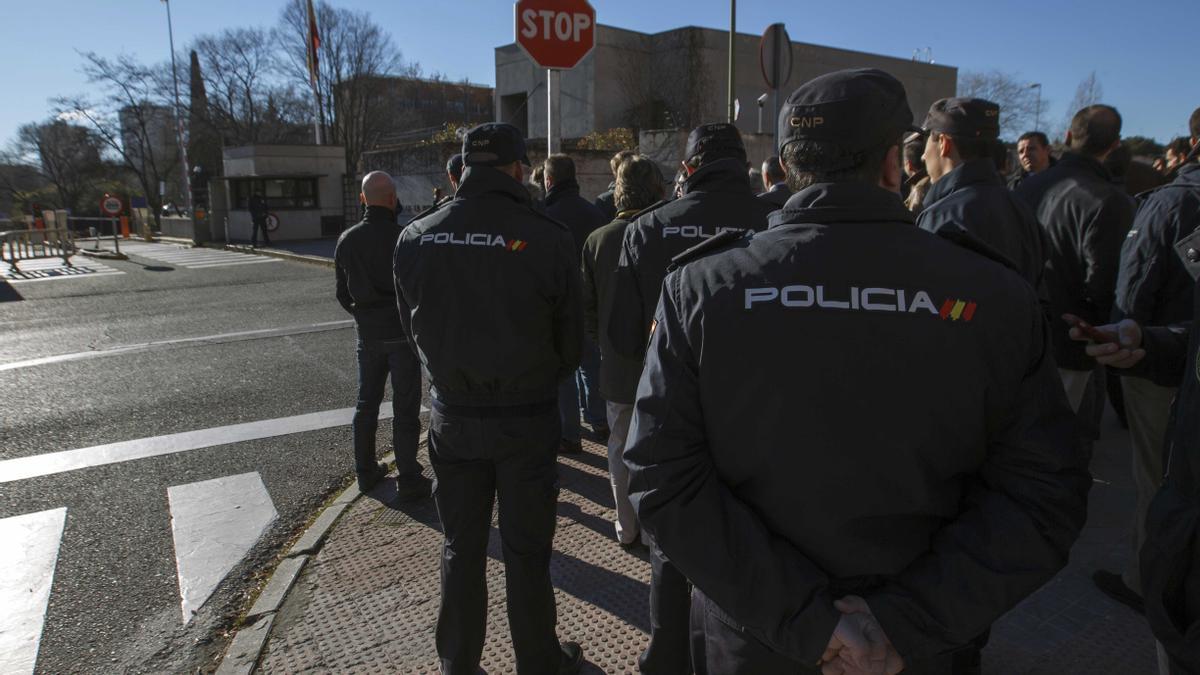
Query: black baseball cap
[[964, 117], [494, 144], [718, 140], [454, 166], [857, 108]]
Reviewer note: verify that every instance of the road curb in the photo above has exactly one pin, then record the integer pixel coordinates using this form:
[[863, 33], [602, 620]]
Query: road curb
[[282, 255], [103, 254], [245, 649]]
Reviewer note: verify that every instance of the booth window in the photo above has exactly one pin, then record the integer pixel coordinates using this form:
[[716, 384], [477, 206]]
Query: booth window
[[281, 193]]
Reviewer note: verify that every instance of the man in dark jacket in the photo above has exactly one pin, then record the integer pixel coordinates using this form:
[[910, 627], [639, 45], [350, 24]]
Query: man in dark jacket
[[639, 184], [258, 219], [847, 425], [1169, 559], [363, 269], [605, 201], [716, 197], [578, 393], [1153, 289], [488, 291], [1033, 152], [1085, 218], [774, 183], [968, 195]]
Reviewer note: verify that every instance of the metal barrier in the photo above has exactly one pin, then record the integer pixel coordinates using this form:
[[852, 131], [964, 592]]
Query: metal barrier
[[18, 245]]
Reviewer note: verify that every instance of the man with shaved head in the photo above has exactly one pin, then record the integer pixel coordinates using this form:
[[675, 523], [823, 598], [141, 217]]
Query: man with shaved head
[[363, 264]]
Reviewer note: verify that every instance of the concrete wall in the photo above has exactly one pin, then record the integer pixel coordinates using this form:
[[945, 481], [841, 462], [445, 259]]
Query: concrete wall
[[516, 73], [326, 161]]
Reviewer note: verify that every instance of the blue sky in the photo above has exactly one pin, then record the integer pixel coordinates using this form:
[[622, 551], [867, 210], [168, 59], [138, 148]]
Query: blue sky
[[1144, 53]]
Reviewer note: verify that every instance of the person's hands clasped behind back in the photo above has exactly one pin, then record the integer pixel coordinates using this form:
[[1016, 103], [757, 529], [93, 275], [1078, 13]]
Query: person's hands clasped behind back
[[858, 644]]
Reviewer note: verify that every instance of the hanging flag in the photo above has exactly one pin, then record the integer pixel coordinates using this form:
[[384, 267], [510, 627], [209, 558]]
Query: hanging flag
[[314, 43]]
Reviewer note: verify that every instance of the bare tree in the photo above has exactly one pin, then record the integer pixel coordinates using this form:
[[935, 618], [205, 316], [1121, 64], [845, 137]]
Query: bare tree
[[1089, 92], [67, 156], [355, 53], [1017, 99], [134, 119], [669, 85]]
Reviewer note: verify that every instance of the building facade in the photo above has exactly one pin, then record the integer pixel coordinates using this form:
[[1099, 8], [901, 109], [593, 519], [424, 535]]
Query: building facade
[[303, 184]]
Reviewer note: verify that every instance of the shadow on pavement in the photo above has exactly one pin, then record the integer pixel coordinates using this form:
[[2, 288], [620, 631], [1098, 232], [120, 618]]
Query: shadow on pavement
[[8, 293]]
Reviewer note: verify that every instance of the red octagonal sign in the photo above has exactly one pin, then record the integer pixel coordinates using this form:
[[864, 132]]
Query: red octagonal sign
[[556, 33]]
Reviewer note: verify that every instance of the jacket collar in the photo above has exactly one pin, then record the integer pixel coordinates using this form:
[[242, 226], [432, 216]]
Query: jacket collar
[[566, 187], [478, 180], [849, 202], [1078, 162], [381, 215], [723, 175], [1189, 174], [967, 174], [627, 214]]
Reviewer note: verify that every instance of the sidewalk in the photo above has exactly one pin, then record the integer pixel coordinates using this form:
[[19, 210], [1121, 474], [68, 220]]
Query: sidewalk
[[368, 601]]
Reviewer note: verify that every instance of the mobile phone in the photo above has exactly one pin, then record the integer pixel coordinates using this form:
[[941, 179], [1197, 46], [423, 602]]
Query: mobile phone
[[1092, 333]]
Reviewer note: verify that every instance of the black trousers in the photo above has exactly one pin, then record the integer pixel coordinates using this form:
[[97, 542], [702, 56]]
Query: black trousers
[[478, 460], [670, 607], [377, 361], [259, 224]]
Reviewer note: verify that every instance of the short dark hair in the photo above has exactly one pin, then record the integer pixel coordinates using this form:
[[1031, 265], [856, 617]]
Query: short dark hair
[[1095, 129], [559, 168], [804, 159], [972, 148], [1180, 146], [773, 169], [914, 152], [1035, 136], [639, 183], [1194, 123], [617, 159]]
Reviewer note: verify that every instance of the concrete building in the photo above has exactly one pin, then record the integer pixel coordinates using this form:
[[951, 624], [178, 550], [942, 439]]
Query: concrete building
[[149, 128], [404, 108], [677, 79], [304, 186]]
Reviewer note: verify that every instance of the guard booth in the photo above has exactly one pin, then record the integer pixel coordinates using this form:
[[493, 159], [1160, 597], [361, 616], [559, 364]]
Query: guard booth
[[303, 185]]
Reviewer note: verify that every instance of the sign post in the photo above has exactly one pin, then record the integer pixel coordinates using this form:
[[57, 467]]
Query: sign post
[[556, 35], [775, 61]]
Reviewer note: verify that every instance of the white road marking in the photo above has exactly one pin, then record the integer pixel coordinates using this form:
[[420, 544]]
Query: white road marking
[[28, 558], [49, 269], [22, 468], [182, 342], [193, 258], [214, 523]]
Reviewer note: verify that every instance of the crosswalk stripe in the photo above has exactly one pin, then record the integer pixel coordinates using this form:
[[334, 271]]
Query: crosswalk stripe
[[231, 264], [28, 558], [49, 269], [214, 523], [192, 258]]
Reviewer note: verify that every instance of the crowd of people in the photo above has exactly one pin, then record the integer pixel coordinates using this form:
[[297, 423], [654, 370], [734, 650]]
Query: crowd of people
[[849, 394]]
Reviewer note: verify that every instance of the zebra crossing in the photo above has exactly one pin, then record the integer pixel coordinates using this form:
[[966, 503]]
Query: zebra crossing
[[49, 269], [191, 258]]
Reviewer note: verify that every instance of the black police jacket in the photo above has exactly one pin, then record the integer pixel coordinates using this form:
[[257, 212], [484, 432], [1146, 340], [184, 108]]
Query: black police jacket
[[1085, 218], [973, 198], [1153, 287], [488, 290], [843, 404], [777, 196], [564, 204], [601, 253], [1170, 557], [362, 264], [717, 197]]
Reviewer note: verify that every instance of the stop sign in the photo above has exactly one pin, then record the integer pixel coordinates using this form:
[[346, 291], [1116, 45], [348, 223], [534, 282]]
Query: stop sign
[[556, 33]]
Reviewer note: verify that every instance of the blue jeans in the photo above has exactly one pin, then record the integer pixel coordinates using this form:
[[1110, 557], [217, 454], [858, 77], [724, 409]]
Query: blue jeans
[[587, 383], [568, 409], [377, 359]]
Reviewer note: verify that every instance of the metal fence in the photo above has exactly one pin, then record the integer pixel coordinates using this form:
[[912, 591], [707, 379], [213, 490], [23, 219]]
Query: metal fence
[[35, 244]]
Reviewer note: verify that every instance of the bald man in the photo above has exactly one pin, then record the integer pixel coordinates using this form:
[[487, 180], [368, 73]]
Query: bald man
[[363, 265]]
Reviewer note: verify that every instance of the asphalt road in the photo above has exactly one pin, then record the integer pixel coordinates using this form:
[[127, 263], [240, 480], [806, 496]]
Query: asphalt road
[[115, 601]]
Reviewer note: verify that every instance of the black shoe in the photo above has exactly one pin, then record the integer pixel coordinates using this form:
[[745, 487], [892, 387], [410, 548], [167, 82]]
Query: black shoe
[[601, 433], [572, 658], [413, 487], [1112, 585], [566, 447], [368, 481]]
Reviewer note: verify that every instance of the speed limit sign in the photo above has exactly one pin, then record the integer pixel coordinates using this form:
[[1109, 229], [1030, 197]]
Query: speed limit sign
[[111, 206], [272, 222]]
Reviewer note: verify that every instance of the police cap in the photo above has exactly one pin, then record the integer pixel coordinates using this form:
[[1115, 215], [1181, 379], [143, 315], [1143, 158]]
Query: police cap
[[454, 166], [858, 109], [964, 117], [494, 144], [718, 140]]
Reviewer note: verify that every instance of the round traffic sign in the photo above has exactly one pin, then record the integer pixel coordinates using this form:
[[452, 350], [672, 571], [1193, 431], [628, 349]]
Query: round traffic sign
[[556, 33], [775, 56], [272, 222], [111, 206]]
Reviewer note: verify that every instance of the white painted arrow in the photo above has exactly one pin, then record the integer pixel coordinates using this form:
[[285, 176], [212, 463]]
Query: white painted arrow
[[27, 561], [214, 523]]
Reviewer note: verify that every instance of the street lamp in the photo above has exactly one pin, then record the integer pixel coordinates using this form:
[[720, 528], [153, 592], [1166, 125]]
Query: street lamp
[[1037, 116], [187, 191]]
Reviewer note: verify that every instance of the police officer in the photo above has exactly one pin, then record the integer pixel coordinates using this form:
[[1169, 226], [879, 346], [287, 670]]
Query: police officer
[[488, 289], [968, 195], [258, 219], [454, 169], [849, 433], [363, 269], [717, 196], [774, 181]]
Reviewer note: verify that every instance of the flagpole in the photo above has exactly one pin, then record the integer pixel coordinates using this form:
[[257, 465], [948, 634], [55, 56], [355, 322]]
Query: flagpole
[[314, 78]]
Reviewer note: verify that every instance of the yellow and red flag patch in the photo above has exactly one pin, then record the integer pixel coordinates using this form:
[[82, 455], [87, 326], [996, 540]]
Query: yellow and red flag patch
[[517, 245], [956, 310]]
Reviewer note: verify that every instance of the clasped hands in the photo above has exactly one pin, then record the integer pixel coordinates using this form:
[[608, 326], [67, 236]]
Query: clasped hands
[[858, 645]]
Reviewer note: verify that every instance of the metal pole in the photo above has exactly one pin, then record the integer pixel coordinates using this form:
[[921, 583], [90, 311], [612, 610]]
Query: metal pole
[[183, 160], [732, 60], [553, 110], [760, 117], [116, 239]]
